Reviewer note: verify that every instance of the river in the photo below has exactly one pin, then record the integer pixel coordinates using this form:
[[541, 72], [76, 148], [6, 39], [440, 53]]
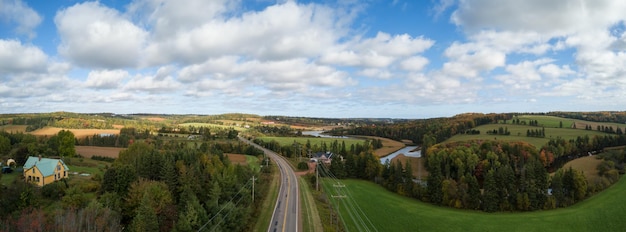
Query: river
[[406, 151]]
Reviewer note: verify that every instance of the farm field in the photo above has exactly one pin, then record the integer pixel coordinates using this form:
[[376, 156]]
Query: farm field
[[314, 141], [518, 133], [391, 212], [78, 133], [14, 128], [89, 151]]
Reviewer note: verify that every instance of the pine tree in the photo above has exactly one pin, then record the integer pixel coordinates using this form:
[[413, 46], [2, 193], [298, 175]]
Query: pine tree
[[146, 219]]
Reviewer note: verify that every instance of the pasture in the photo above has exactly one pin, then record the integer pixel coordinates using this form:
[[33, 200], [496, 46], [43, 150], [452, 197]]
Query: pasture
[[388, 211], [518, 133]]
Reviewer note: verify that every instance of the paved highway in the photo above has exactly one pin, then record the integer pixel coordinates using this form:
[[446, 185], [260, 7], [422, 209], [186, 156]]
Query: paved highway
[[286, 215]]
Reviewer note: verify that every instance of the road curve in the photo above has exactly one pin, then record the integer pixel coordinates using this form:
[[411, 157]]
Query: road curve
[[286, 216]]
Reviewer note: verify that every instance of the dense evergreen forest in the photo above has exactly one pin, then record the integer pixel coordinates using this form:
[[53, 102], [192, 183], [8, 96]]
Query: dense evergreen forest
[[154, 185]]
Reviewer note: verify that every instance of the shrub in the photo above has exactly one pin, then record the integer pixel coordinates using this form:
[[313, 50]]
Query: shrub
[[303, 166]]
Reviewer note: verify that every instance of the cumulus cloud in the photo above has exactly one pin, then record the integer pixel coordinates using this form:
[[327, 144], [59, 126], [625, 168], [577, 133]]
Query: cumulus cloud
[[105, 79], [554, 18], [150, 84], [96, 36], [16, 57], [20, 14], [377, 52], [281, 31]]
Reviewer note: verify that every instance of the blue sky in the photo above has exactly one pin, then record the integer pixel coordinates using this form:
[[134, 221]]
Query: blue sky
[[346, 58]]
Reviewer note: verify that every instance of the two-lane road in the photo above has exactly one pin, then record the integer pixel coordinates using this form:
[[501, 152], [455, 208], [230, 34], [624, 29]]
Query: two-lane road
[[287, 209]]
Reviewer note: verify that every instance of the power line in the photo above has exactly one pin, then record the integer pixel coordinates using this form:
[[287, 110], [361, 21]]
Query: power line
[[226, 204]]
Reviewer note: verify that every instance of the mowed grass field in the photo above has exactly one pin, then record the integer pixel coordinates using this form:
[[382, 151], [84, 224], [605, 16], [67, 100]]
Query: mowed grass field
[[518, 133], [391, 212], [314, 141]]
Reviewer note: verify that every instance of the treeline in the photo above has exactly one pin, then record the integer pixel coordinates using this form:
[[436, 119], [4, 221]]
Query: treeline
[[499, 131], [145, 189], [602, 116], [415, 130]]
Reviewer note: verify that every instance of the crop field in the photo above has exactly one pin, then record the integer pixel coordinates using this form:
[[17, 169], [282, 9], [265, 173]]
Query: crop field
[[314, 141], [78, 133], [518, 133], [89, 151], [388, 211]]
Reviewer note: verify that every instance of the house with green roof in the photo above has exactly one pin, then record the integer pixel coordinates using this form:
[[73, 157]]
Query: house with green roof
[[42, 171]]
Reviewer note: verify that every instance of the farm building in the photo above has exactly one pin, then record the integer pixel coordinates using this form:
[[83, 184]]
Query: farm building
[[42, 171]]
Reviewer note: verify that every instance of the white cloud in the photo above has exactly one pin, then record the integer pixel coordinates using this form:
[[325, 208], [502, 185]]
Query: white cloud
[[168, 17], [553, 18], [415, 63], [105, 79], [281, 31], [150, 84], [25, 18], [17, 58], [94, 35]]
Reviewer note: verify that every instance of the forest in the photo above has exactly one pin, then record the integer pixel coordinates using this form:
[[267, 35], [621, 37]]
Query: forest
[[154, 185]]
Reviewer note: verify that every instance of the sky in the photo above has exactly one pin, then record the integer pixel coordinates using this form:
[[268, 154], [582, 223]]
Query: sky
[[317, 58]]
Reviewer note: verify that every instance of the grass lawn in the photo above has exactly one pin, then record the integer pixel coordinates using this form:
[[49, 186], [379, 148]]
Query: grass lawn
[[391, 212], [7, 179], [314, 141]]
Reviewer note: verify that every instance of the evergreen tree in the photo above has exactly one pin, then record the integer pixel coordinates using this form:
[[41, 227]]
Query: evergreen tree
[[145, 219], [490, 195]]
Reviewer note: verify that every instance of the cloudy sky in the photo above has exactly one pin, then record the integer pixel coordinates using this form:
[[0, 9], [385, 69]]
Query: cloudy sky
[[326, 58]]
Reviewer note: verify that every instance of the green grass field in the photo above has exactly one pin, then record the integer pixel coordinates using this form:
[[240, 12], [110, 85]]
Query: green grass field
[[518, 133], [303, 140], [391, 212]]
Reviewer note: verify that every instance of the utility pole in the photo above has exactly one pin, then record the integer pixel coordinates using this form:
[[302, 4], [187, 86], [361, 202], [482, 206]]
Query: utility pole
[[253, 179], [317, 177]]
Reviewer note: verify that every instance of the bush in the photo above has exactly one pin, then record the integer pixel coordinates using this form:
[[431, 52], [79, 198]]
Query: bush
[[54, 190], [303, 166]]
